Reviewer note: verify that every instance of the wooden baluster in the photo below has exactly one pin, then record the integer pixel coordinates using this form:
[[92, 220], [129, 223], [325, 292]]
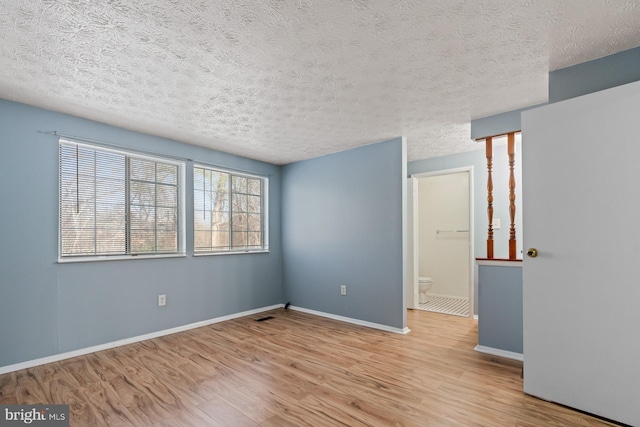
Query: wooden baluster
[[489, 154], [511, 147]]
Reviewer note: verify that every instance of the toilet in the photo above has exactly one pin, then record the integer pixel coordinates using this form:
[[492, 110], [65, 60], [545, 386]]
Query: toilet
[[424, 284]]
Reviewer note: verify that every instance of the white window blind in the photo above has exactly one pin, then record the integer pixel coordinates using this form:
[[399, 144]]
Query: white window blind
[[116, 203], [229, 211]]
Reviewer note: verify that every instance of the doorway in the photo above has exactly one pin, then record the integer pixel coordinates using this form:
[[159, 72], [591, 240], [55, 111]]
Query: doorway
[[442, 218]]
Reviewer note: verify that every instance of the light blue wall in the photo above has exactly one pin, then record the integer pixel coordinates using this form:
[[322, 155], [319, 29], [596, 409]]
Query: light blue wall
[[48, 308], [500, 307], [592, 76], [498, 124], [343, 218]]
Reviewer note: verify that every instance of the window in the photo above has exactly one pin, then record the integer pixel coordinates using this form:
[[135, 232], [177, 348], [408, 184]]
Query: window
[[118, 204], [229, 211]]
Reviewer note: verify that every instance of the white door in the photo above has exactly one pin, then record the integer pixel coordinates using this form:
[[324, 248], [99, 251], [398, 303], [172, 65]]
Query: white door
[[581, 211]]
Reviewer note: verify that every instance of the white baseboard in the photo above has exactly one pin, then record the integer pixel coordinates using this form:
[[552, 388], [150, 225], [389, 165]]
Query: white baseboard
[[106, 346], [498, 352], [354, 321]]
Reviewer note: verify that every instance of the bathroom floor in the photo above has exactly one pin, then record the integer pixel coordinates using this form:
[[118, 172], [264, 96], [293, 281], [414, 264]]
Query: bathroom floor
[[446, 305]]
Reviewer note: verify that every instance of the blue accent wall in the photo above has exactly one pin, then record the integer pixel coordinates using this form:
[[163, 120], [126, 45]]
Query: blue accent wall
[[498, 124], [592, 76], [500, 304], [48, 308], [343, 219]]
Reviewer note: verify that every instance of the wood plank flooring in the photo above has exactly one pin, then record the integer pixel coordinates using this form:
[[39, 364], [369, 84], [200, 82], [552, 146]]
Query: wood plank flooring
[[294, 370]]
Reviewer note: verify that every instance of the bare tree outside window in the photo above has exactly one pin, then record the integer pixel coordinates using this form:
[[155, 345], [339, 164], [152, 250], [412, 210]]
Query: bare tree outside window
[[228, 211]]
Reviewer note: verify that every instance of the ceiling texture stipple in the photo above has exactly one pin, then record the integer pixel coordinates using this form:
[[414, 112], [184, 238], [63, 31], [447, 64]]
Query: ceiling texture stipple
[[282, 81]]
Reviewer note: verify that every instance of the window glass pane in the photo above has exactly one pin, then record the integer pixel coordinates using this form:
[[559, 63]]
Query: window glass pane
[[220, 201], [255, 239], [109, 190], [239, 222], [254, 204], [143, 193], [143, 170], [84, 218], [206, 180], [239, 203], [238, 240], [143, 240], [220, 221], [110, 241], [202, 240], [220, 240], [166, 195], [167, 219], [142, 217], [85, 162], [109, 165], [220, 191], [239, 184], [254, 186], [167, 174], [198, 178], [202, 220], [78, 241], [167, 241], [199, 200], [227, 205], [111, 216], [219, 181], [254, 222], [68, 188]]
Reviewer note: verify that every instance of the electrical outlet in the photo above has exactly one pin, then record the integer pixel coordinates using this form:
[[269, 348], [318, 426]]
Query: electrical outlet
[[496, 224], [162, 300], [343, 290]]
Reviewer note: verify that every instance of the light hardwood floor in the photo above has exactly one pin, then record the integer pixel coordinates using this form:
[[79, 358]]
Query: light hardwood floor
[[294, 370]]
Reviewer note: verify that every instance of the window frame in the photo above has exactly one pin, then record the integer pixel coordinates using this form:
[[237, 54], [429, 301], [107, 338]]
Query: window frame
[[264, 210], [128, 154]]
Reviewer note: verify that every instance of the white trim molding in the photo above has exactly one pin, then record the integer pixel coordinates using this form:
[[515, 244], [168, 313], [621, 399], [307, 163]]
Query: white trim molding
[[119, 343], [500, 263], [359, 322], [497, 352]]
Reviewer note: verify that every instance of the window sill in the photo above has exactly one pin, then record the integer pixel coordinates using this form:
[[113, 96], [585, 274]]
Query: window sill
[[261, 251], [72, 260]]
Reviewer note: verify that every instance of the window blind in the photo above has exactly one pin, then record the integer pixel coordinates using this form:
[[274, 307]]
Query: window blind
[[116, 203]]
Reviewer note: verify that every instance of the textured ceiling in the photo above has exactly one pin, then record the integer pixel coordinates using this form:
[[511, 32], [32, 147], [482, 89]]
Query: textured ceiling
[[288, 80]]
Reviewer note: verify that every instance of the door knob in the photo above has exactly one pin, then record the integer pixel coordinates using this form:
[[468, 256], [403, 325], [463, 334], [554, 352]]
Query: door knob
[[532, 252]]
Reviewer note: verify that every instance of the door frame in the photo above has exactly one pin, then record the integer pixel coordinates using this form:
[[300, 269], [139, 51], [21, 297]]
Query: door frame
[[414, 219]]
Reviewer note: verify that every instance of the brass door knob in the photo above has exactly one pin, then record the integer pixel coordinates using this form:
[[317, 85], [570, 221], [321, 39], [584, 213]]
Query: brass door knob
[[532, 252]]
